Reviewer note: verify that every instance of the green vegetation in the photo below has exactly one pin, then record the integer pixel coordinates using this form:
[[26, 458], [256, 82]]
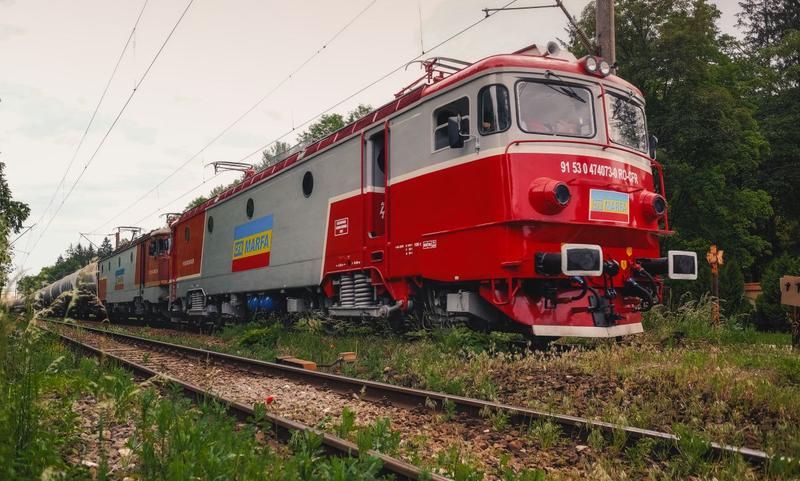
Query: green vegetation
[[729, 383], [42, 436], [12, 214]]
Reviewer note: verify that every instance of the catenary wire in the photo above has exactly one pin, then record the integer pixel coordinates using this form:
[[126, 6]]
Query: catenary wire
[[111, 127], [240, 117], [378, 80], [349, 97], [91, 119]]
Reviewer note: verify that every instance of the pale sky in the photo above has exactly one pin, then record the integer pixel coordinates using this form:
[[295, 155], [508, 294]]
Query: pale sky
[[56, 57]]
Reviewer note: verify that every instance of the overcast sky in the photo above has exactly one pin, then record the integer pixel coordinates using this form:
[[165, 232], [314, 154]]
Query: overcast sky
[[56, 57]]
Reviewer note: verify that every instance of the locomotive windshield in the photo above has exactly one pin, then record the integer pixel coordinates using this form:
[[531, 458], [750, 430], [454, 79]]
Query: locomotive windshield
[[626, 122], [554, 109]]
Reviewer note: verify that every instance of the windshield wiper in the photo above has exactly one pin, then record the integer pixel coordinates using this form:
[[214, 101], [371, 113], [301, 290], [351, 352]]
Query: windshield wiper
[[563, 89]]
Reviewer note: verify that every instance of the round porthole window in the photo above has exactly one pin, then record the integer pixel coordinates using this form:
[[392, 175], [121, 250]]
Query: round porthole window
[[250, 208], [210, 224], [308, 184]]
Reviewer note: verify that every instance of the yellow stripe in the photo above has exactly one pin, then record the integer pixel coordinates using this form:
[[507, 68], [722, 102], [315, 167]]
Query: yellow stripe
[[253, 245]]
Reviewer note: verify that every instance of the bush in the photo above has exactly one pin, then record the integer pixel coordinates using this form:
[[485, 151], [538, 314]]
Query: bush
[[265, 336], [770, 314]]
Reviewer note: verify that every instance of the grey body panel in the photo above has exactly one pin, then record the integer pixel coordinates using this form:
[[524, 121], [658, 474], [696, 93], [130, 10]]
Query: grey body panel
[[299, 226], [123, 262]]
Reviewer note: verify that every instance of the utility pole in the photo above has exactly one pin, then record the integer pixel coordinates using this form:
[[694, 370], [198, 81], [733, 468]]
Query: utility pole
[[604, 26]]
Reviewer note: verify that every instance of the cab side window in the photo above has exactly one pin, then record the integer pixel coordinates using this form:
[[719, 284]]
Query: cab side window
[[494, 109], [457, 108]]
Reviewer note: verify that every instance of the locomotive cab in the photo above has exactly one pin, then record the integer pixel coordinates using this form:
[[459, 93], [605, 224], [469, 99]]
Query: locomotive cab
[[578, 213]]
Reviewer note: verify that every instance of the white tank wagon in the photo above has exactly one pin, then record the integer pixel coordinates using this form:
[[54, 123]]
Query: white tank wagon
[[74, 294]]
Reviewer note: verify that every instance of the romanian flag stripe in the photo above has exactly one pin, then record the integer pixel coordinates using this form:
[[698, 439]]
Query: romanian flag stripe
[[609, 205], [252, 244]]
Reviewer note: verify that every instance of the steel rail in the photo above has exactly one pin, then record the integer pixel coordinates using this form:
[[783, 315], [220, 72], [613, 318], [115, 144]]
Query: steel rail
[[283, 427], [414, 398]]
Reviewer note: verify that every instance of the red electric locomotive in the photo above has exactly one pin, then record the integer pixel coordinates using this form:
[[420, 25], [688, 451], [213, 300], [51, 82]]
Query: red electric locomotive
[[517, 192]]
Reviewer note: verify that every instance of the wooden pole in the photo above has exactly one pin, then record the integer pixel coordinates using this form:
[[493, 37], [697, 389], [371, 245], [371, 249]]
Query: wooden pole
[[606, 35]]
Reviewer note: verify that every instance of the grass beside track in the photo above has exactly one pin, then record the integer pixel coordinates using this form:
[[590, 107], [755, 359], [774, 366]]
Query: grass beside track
[[42, 435], [726, 383]]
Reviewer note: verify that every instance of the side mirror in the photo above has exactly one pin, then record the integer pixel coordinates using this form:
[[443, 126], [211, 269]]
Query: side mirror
[[653, 143], [454, 136]]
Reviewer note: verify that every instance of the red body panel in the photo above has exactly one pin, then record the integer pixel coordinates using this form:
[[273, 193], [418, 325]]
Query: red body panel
[[488, 231], [102, 289], [156, 266], [187, 252]]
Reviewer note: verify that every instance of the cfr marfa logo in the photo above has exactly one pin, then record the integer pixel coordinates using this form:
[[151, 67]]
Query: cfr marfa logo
[[609, 205], [119, 279], [252, 244]]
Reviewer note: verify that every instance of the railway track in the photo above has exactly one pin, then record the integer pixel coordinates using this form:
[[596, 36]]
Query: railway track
[[238, 381]]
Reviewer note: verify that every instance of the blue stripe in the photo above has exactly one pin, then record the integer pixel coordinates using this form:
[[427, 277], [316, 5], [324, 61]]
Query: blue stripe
[[608, 195], [253, 227]]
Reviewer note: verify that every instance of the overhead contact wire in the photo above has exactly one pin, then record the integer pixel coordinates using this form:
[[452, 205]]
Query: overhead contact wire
[[114, 123], [242, 116], [378, 80], [91, 119], [337, 104]]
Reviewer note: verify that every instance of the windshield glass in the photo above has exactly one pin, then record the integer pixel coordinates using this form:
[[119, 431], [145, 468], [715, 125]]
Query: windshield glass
[[626, 122], [554, 109]]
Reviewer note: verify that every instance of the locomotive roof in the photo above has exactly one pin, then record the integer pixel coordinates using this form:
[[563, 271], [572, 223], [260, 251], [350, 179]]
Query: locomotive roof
[[136, 241], [517, 59]]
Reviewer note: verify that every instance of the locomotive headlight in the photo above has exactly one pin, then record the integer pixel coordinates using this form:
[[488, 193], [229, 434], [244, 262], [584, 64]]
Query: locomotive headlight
[[654, 205], [590, 64], [562, 194], [605, 68], [549, 196]]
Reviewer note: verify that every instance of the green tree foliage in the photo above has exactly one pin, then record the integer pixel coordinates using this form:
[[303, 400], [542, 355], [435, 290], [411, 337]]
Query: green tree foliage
[[769, 310], [772, 30], [12, 214], [330, 123], [271, 155], [105, 248]]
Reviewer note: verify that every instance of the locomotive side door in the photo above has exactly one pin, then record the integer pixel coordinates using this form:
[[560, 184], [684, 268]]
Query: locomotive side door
[[376, 163]]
